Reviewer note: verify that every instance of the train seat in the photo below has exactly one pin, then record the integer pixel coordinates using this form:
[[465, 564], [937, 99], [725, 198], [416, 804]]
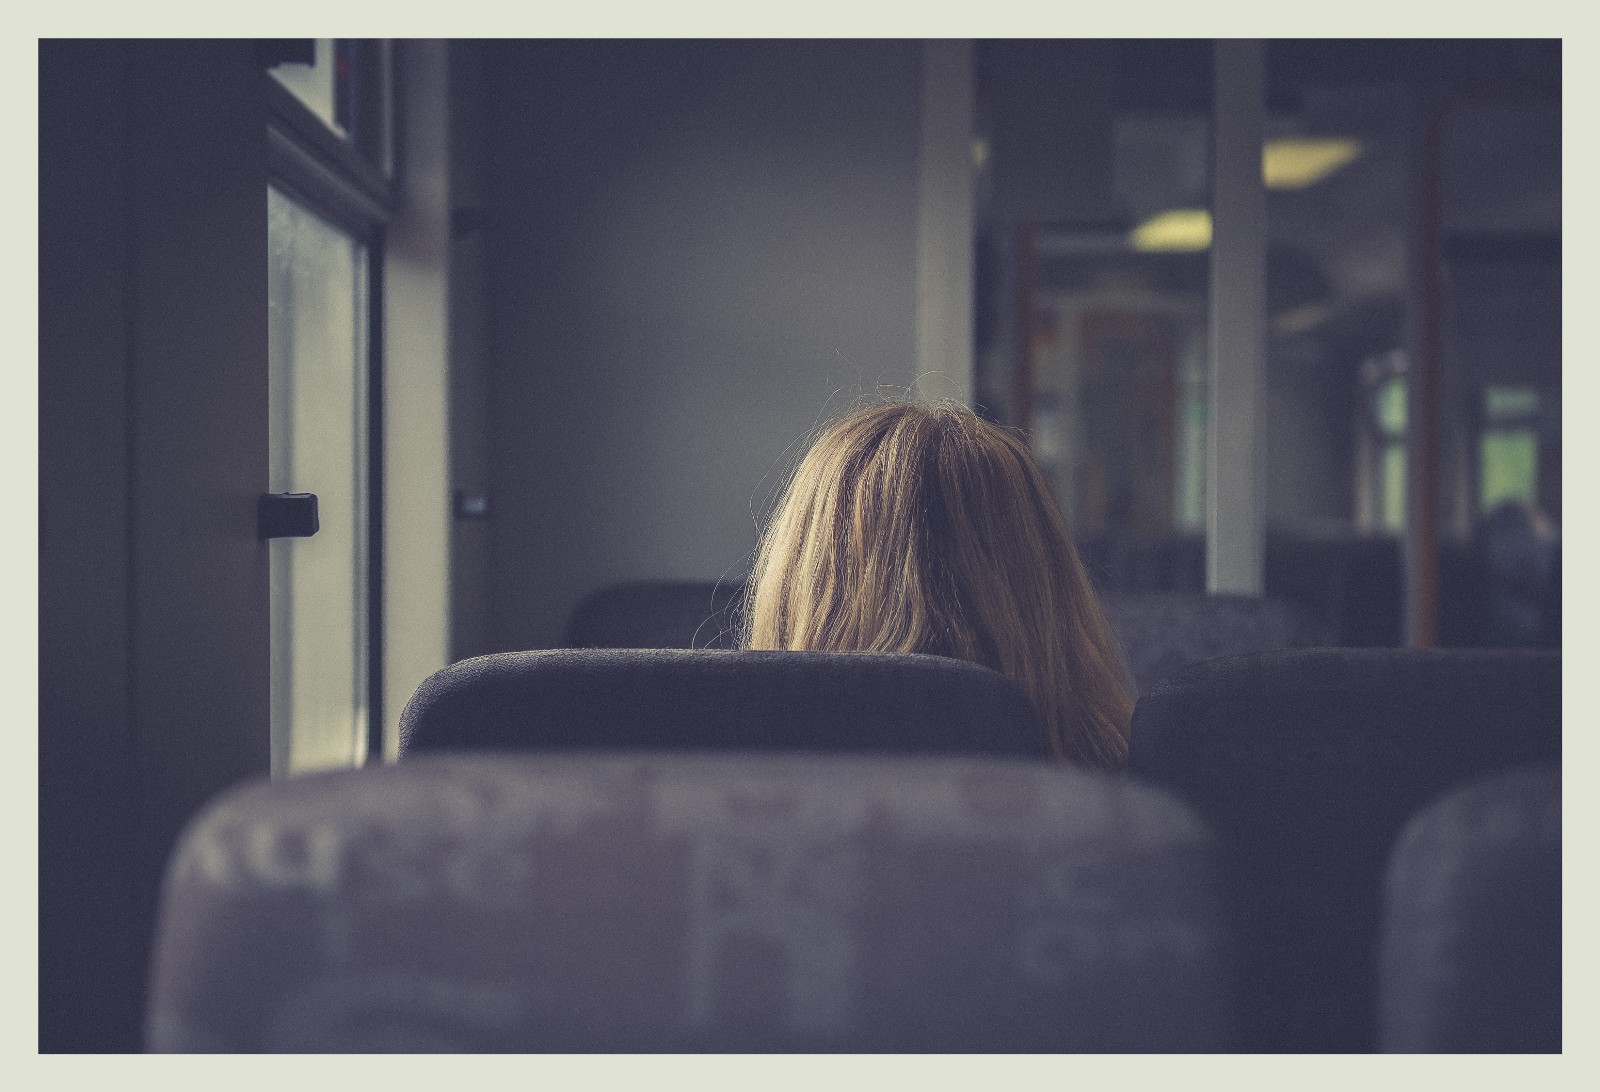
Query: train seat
[[1307, 763], [1471, 951], [1160, 631], [720, 699], [647, 902], [658, 614], [1163, 631]]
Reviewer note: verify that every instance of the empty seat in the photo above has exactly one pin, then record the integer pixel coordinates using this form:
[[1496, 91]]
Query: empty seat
[[681, 698], [1307, 763], [1163, 631], [692, 903], [658, 614], [1471, 954]]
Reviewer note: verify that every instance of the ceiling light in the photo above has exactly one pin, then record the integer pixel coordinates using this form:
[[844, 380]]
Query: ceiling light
[[1174, 231], [1294, 163], [1303, 318]]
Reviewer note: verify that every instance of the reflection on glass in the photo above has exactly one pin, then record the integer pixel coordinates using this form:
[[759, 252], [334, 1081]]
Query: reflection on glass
[[1293, 163], [1394, 488], [1392, 407], [1177, 231], [1389, 410], [1508, 467], [1190, 515], [317, 351], [1508, 449], [1510, 403], [1118, 339]]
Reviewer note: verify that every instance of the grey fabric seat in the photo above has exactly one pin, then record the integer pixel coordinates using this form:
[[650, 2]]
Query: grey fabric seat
[[692, 903], [1160, 631], [1307, 763], [1163, 631], [692, 699], [1471, 954], [658, 614]]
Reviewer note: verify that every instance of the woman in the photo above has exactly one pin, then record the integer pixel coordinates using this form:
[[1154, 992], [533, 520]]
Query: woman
[[911, 528]]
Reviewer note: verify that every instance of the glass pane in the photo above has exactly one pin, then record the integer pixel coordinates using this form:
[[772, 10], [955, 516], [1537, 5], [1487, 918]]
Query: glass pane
[[317, 350], [1191, 511], [1510, 403], [1394, 488], [1338, 164], [1508, 467], [1092, 283], [1391, 407]]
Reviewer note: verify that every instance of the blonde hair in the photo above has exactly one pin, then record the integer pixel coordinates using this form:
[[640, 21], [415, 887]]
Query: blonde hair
[[910, 528]]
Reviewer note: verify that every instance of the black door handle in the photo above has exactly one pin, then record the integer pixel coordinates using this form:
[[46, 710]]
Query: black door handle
[[286, 515]]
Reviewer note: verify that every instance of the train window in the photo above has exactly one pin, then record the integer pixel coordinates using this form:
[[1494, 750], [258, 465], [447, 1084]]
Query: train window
[[1093, 224], [318, 355], [1389, 405], [330, 197], [1382, 439], [1508, 447]]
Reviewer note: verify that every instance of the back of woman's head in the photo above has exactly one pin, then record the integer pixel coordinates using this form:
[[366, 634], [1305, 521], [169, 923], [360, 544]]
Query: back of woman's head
[[911, 528]]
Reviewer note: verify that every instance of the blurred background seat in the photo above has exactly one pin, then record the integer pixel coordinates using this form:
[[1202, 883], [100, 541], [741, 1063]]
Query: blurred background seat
[[1471, 954], [515, 903], [674, 699], [1307, 763], [1159, 630], [658, 614], [1163, 631]]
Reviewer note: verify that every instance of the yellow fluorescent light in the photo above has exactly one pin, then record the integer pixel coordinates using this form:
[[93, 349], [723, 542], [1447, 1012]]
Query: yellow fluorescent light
[[1297, 162], [1178, 230], [1303, 318]]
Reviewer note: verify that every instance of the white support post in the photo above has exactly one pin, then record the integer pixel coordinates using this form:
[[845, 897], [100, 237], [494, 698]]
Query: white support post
[[416, 457], [1235, 518]]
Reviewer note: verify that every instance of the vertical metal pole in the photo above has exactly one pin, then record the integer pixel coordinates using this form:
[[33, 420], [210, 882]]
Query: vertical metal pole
[[1421, 551], [1235, 516]]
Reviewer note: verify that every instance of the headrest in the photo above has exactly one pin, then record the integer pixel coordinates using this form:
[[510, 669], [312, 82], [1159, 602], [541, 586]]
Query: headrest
[[681, 698]]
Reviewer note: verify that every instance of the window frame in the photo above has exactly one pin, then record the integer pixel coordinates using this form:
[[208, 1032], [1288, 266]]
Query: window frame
[[316, 167]]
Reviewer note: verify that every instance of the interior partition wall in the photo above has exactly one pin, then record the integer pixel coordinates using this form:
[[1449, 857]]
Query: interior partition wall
[[153, 615]]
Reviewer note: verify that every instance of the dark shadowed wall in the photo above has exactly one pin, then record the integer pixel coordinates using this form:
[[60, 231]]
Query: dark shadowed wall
[[153, 626], [693, 249]]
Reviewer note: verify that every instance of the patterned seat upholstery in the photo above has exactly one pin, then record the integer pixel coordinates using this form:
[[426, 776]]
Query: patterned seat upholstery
[[692, 903], [1160, 631], [1471, 954], [1163, 631], [682, 698], [1307, 763], [658, 614]]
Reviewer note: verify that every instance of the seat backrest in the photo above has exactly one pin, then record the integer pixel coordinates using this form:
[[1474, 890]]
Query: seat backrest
[[1307, 763], [682, 698], [692, 903], [1163, 631], [1471, 953], [658, 614]]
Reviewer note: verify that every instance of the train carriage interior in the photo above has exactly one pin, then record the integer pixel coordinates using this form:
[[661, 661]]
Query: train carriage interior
[[409, 414]]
